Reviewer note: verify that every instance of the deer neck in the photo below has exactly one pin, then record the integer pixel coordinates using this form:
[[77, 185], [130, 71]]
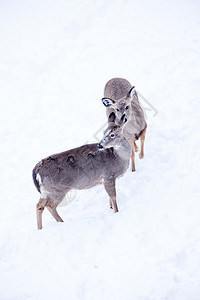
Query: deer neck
[[123, 149]]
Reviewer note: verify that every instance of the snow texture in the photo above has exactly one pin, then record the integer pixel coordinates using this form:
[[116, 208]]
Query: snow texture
[[55, 58]]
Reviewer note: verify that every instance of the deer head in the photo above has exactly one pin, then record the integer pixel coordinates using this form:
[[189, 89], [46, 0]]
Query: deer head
[[113, 133], [121, 106]]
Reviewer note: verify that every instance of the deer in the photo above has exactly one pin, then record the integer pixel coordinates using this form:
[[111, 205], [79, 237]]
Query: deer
[[83, 168], [121, 98]]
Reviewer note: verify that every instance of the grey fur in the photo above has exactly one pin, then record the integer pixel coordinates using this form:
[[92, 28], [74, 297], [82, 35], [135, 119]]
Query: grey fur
[[82, 168]]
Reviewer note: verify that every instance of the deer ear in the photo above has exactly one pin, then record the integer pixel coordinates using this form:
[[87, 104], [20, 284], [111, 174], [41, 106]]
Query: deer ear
[[132, 93], [107, 102], [111, 118]]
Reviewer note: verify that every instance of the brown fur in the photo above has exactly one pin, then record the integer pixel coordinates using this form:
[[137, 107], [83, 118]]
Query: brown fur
[[121, 98]]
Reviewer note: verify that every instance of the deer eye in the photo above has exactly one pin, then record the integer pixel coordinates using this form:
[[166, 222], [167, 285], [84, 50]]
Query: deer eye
[[127, 107], [117, 109], [112, 135]]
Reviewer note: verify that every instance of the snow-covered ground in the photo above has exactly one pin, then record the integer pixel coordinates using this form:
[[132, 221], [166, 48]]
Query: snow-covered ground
[[55, 58]]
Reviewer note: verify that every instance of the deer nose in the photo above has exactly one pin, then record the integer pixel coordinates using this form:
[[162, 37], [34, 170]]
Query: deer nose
[[99, 147]]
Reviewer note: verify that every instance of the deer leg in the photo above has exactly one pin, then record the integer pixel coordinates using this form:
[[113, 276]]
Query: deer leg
[[136, 147], [39, 210], [133, 154], [109, 186], [142, 139], [111, 206], [54, 213]]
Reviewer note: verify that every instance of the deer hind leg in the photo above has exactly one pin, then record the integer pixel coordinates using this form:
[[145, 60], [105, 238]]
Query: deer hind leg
[[109, 186], [54, 213], [133, 154], [39, 210], [142, 139], [52, 208]]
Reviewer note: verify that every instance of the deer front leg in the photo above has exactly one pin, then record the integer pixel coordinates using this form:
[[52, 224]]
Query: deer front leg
[[142, 139], [136, 147], [133, 154], [109, 185], [111, 203], [39, 210]]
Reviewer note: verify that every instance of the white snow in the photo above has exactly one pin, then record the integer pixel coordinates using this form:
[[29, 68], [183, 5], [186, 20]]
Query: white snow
[[55, 58]]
